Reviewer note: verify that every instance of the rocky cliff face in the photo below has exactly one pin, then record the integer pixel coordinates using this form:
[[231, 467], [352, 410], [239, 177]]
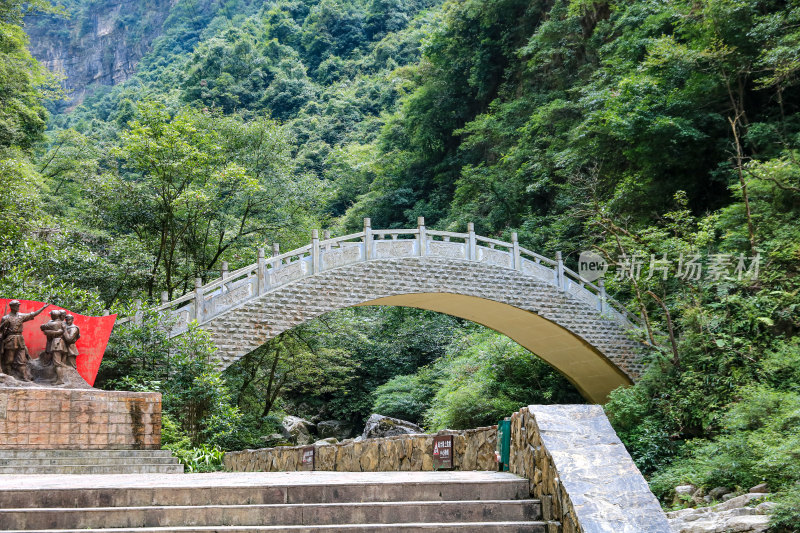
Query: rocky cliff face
[[100, 43]]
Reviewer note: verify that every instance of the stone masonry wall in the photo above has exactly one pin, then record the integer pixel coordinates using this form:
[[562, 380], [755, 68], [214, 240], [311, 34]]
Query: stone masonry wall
[[472, 450], [581, 471], [48, 418], [578, 467]]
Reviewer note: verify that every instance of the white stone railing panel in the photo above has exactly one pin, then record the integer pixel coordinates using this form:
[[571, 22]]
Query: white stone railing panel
[[452, 250], [344, 255], [538, 271], [395, 249], [494, 257]]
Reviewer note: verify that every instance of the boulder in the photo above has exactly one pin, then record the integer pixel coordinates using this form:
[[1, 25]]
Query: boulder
[[379, 426], [683, 494], [718, 492], [326, 442], [273, 437], [299, 430], [338, 429], [698, 497], [759, 489]]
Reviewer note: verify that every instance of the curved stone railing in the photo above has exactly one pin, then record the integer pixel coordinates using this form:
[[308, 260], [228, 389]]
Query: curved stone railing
[[267, 274]]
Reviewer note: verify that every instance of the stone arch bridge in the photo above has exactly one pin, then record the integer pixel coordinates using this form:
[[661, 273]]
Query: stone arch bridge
[[538, 302]]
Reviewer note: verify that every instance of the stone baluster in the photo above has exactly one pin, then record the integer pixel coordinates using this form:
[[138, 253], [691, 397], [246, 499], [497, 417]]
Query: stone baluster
[[276, 251], [602, 298], [367, 239], [422, 237], [516, 260], [137, 311], [560, 272], [472, 249], [262, 281], [225, 274], [326, 236], [198, 299], [314, 251], [164, 297]]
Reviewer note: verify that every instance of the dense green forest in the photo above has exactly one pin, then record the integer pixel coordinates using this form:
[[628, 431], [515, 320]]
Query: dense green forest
[[635, 129]]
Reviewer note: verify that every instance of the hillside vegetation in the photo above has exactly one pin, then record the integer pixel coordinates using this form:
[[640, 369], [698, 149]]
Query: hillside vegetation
[[648, 130]]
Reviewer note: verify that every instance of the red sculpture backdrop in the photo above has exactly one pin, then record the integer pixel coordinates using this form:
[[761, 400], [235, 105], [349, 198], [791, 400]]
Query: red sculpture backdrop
[[95, 331]]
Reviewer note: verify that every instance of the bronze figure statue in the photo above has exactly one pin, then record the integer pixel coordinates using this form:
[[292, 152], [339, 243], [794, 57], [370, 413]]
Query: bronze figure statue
[[54, 331], [14, 357], [71, 335]]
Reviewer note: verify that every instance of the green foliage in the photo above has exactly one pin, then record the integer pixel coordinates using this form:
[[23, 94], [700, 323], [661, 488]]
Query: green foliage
[[24, 83], [201, 459], [482, 378], [203, 187], [758, 443], [486, 377], [786, 515], [406, 396], [196, 400]]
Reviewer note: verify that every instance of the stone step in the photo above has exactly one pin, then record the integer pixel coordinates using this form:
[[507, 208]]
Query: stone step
[[305, 514], [119, 468], [440, 527], [81, 460], [38, 454], [260, 488]]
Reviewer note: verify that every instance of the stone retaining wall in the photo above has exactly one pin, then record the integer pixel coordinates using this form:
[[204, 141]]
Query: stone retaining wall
[[578, 467], [472, 450], [49, 418]]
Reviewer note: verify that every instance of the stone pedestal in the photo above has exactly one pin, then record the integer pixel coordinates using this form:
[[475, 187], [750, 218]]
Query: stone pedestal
[[50, 418]]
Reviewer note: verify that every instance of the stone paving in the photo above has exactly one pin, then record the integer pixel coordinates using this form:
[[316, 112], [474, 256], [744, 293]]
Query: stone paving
[[242, 479]]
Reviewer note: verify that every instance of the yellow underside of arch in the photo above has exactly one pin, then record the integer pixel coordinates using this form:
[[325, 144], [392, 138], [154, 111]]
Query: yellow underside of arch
[[591, 372]]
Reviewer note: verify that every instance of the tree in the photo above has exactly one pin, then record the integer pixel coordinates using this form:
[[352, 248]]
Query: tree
[[24, 83], [201, 186]]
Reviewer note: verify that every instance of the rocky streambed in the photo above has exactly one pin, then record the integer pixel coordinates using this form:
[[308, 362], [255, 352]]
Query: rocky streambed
[[742, 513]]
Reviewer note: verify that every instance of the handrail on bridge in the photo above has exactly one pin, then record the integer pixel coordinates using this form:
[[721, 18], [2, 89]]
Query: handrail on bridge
[[233, 288]]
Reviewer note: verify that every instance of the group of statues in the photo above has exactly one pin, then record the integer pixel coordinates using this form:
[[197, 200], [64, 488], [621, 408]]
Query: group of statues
[[60, 351]]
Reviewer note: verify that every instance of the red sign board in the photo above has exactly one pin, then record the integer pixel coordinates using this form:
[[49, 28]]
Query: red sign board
[[95, 331], [307, 458], [442, 452]]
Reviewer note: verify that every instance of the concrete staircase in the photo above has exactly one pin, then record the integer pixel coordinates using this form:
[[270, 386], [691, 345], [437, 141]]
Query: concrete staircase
[[88, 462], [322, 502]]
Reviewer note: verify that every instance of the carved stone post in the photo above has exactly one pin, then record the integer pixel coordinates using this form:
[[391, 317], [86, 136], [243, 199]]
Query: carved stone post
[[560, 272], [261, 272], [314, 251], [422, 237], [326, 236], [516, 262], [164, 297], [198, 299], [137, 313], [367, 239], [276, 251], [602, 297], [472, 251], [224, 276]]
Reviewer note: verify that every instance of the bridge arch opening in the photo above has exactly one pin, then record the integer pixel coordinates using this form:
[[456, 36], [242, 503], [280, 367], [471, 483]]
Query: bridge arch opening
[[586, 368]]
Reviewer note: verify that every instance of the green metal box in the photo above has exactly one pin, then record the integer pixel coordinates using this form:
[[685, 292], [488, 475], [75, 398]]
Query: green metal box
[[503, 444]]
